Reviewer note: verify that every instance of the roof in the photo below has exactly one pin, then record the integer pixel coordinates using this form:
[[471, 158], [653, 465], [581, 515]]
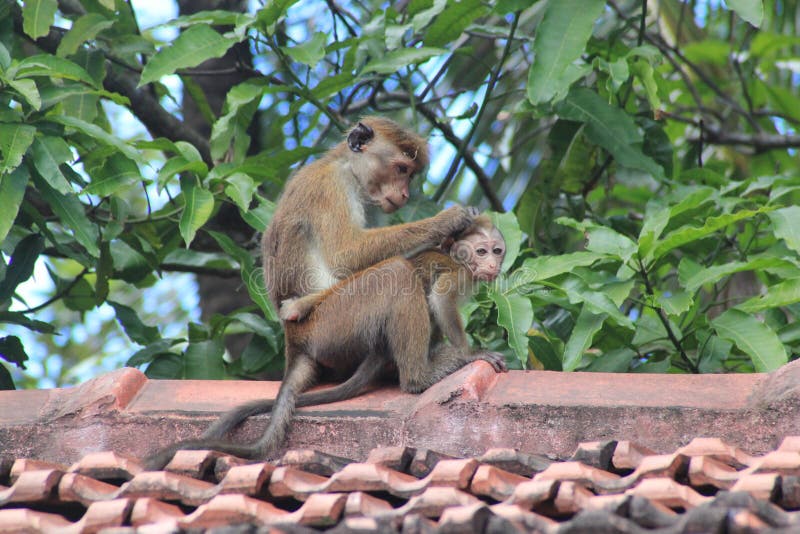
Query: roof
[[522, 451]]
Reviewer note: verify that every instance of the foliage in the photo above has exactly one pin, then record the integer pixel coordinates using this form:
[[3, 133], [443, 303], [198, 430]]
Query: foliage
[[641, 164]]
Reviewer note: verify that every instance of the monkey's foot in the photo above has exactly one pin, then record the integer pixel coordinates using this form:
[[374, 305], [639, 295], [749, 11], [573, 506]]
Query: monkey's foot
[[497, 360]]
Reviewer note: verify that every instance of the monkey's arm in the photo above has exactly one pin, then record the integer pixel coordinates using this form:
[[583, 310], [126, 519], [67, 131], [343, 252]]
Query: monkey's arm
[[370, 246]]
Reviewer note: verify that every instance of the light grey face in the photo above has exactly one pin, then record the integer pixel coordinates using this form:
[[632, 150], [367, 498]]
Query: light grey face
[[482, 251]]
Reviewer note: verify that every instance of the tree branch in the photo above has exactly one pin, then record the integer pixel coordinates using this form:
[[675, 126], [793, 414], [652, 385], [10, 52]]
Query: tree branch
[[758, 141]]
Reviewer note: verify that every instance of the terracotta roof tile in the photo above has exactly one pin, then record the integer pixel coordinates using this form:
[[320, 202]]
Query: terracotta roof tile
[[514, 461], [32, 487], [85, 490], [668, 492], [703, 485], [496, 483], [107, 465], [313, 462]]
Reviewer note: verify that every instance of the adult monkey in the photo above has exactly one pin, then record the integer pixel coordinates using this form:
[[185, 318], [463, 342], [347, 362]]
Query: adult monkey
[[317, 237]]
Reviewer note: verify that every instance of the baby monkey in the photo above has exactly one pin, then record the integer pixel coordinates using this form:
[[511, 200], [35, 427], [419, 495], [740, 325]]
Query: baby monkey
[[444, 277]]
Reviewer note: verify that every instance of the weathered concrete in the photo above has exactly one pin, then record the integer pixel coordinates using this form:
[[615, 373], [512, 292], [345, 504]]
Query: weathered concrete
[[470, 411]]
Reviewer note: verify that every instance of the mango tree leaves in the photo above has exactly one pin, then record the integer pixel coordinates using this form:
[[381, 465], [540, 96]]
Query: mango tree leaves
[[38, 16], [12, 191], [15, 138], [197, 209], [560, 40], [752, 337], [750, 10], [395, 60], [515, 315], [195, 45], [609, 127]]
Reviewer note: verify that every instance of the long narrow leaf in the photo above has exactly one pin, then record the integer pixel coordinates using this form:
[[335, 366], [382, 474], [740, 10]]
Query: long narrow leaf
[[753, 337]]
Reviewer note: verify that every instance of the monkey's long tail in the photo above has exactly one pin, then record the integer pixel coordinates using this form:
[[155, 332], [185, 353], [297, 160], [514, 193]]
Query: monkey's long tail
[[365, 376]]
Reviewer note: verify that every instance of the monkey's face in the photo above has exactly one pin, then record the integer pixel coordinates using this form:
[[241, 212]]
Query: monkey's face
[[385, 173], [482, 252]]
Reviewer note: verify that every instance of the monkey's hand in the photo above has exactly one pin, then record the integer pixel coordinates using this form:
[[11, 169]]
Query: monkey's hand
[[456, 219], [496, 360], [289, 311]]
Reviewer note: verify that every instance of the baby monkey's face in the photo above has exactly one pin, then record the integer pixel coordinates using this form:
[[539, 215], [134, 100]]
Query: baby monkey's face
[[482, 250]]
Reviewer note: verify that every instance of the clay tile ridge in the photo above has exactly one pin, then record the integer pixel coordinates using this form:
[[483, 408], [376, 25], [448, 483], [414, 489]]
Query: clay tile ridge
[[464, 415]]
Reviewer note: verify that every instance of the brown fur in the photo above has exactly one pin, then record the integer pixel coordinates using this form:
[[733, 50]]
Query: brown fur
[[316, 238]]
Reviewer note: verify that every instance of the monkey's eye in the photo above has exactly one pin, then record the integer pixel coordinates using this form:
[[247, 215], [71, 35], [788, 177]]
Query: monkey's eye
[[402, 169], [481, 251], [497, 251]]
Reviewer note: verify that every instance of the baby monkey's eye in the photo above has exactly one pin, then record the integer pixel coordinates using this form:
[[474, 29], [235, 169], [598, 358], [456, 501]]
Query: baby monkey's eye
[[497, 251], [480, 252]]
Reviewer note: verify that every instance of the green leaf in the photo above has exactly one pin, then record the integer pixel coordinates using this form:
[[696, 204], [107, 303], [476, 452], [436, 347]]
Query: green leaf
[[48, 154], [515, 314], [395, 60], [781, 294], [614, 361], [84, 29], [560, 40], [543, 350], [544, 267], [38, 16], [100, 135], [509, 226], [15, 138], [598, 302], [274, 10], [135, 329], [609, 127], [203, 360], [23, 320], [604, 240], [451, 22], [586, 326], [309, 52], [252, 276], [786, 222], [12, 191], [752, 337], [260, 216], [27, 90], [177, 165], [694, 277], [151, 351], [687, 234], [240, 188], [71, 212], [198, 207], [52, 67], [676, 303], [81, 296], [113, 175], [192, 47], [20, 267], [11, 350], [750, 10]]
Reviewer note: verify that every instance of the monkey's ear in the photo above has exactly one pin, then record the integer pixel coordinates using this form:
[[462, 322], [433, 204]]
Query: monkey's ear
[[359, 136]]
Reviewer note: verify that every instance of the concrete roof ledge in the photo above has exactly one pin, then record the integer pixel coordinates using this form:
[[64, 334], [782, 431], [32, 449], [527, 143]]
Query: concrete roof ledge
[[465, 414]]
